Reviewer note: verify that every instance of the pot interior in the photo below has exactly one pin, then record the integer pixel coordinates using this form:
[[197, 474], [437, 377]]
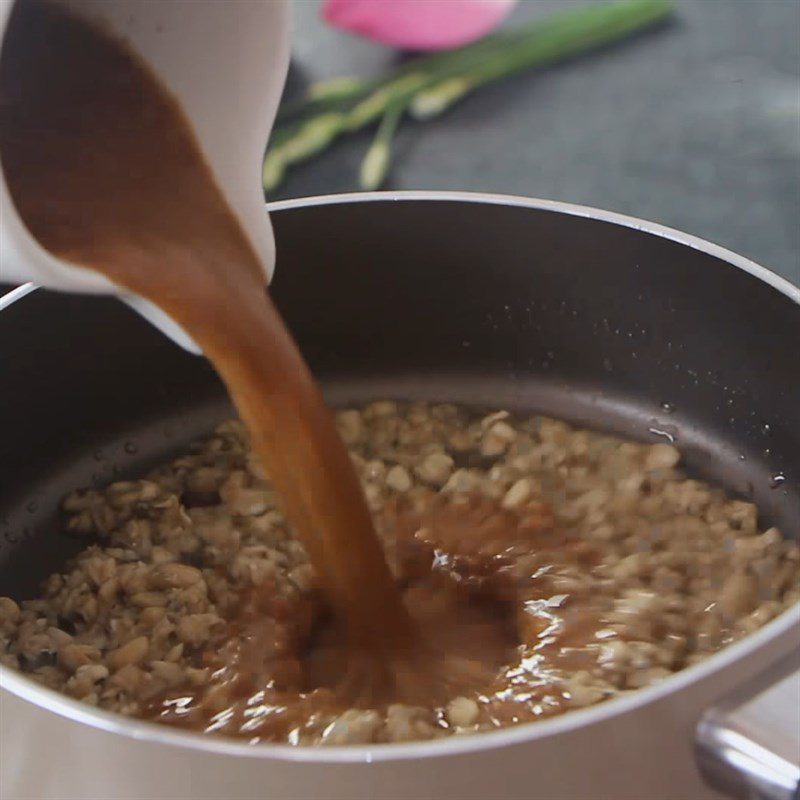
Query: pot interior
[[517, 306]]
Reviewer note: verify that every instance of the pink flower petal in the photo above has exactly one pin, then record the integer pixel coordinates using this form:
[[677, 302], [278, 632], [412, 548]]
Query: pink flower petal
[[418, 24]]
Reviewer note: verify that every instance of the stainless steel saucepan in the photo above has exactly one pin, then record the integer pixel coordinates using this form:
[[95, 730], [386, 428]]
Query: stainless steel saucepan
[[605, 320]]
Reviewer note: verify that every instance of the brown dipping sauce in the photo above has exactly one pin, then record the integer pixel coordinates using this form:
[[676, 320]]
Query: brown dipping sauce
[[106, 174]]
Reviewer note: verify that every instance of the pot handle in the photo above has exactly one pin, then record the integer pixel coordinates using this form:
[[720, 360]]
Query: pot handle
[[748, 745]]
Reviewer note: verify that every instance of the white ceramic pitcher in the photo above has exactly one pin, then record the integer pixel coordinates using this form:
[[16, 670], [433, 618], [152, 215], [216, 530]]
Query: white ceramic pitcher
[[225, 61]]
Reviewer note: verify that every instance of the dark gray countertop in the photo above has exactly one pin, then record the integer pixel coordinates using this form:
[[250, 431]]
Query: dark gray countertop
[[696, 126]]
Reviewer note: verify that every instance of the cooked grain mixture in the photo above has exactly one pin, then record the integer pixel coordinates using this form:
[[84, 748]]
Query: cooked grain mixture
[[584, 566]]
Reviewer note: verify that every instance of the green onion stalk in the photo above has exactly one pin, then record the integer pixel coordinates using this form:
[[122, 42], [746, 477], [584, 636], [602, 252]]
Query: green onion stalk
[[428, 86]]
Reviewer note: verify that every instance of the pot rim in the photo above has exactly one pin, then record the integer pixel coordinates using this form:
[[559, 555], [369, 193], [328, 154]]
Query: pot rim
[[783, 285], [48, 699]]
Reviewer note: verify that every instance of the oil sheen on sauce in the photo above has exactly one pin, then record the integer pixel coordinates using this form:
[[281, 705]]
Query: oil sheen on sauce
[[106, 174]]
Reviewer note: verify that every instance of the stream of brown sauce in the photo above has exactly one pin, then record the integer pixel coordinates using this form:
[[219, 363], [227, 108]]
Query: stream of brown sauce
[[106, 173]]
